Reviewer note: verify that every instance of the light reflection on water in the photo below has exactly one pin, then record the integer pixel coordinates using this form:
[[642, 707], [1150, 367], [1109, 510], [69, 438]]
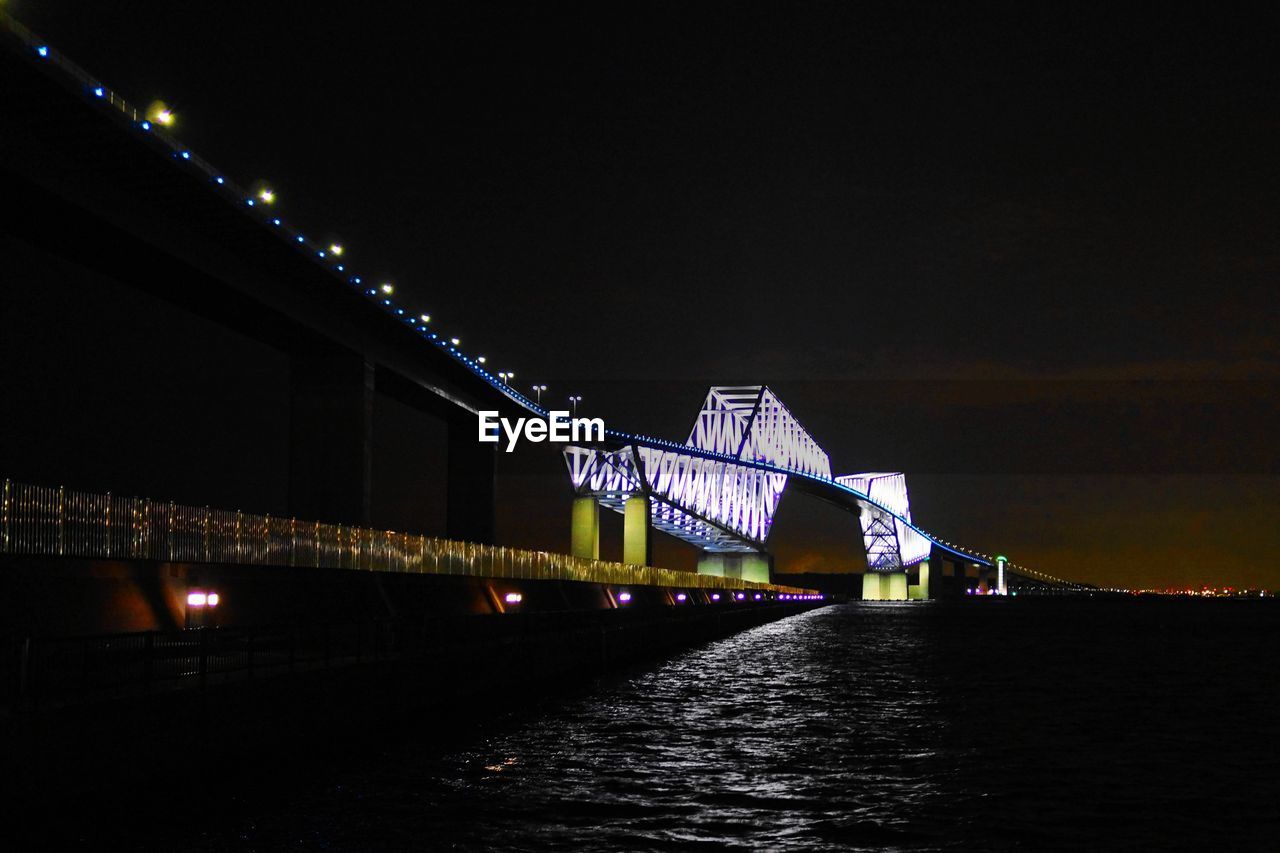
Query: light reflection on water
[[1028, 725]]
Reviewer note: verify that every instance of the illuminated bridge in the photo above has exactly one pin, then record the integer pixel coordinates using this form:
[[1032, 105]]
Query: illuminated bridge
[[247, 268], [720, 489]]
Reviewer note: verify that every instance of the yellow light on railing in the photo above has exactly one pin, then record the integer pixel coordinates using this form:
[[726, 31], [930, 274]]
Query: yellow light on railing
[[39, 520]]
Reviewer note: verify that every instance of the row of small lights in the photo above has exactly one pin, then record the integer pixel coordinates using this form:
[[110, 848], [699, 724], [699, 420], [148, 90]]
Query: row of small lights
[[624, 597], [1015, 566], [160, 114], [198, 598], [686, 448]]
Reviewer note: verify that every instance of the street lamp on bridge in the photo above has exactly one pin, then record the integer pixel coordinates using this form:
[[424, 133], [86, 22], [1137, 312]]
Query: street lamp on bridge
[[575, 400], [506, 377], [538, 389]]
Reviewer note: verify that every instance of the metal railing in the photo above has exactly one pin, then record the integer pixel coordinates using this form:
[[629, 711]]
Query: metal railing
[[55, 670], [54, 521]]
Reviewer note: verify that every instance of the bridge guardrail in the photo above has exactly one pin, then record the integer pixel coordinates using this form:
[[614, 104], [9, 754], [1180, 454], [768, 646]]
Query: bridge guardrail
[[54, 521], [56, 670]]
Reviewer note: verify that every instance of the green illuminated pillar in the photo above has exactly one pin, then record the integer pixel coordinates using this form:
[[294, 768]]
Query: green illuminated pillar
[[637, 539], [921, 590], [755, 567], [750, 567], [712, 564], [884, 586], [584, 538]]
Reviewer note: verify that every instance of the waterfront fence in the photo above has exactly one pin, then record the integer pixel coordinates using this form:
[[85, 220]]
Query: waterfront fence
[[55, 521]]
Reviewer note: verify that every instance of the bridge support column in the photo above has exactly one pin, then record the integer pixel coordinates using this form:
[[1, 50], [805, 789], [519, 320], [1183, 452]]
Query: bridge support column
[[584, 536], [749, 567], [471, 494], [884, 586], [920, 590], [637, 532], [330, 436]]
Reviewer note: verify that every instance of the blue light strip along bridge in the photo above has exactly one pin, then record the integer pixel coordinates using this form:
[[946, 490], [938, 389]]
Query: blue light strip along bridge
[[330, 258]]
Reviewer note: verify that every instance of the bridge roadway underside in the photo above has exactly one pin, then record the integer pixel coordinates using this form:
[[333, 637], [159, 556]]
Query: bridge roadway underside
[[76, 185]]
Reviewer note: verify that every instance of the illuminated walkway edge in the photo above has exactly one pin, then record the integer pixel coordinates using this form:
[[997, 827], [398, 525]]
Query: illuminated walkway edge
[[59, 522]]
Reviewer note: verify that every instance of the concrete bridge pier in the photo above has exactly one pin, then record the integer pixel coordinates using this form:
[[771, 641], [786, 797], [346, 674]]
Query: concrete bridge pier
[[471, 491], [637, 530], [920, 590], [884, 586], [331, 424], [330, 435], [750, 566], [584, 529]]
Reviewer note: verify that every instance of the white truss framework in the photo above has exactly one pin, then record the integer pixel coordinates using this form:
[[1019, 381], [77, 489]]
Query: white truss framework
[[751, 423], [712, 503], [892, 544], [721, 505]]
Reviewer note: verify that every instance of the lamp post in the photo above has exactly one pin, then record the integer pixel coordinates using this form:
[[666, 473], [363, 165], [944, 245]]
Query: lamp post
[[538, 389], [575, 400], [506, 378]]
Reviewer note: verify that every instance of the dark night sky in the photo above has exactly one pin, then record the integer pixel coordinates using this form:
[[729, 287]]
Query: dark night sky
[[1027, 255]]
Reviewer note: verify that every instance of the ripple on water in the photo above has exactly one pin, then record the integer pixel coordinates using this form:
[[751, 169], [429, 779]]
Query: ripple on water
[[1048, 725]]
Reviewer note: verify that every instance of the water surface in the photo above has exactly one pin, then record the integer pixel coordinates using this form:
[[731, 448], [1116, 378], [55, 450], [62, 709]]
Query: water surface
[[995, 725]]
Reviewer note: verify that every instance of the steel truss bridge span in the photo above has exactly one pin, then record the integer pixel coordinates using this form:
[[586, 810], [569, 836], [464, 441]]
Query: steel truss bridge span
[[719, 490]]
